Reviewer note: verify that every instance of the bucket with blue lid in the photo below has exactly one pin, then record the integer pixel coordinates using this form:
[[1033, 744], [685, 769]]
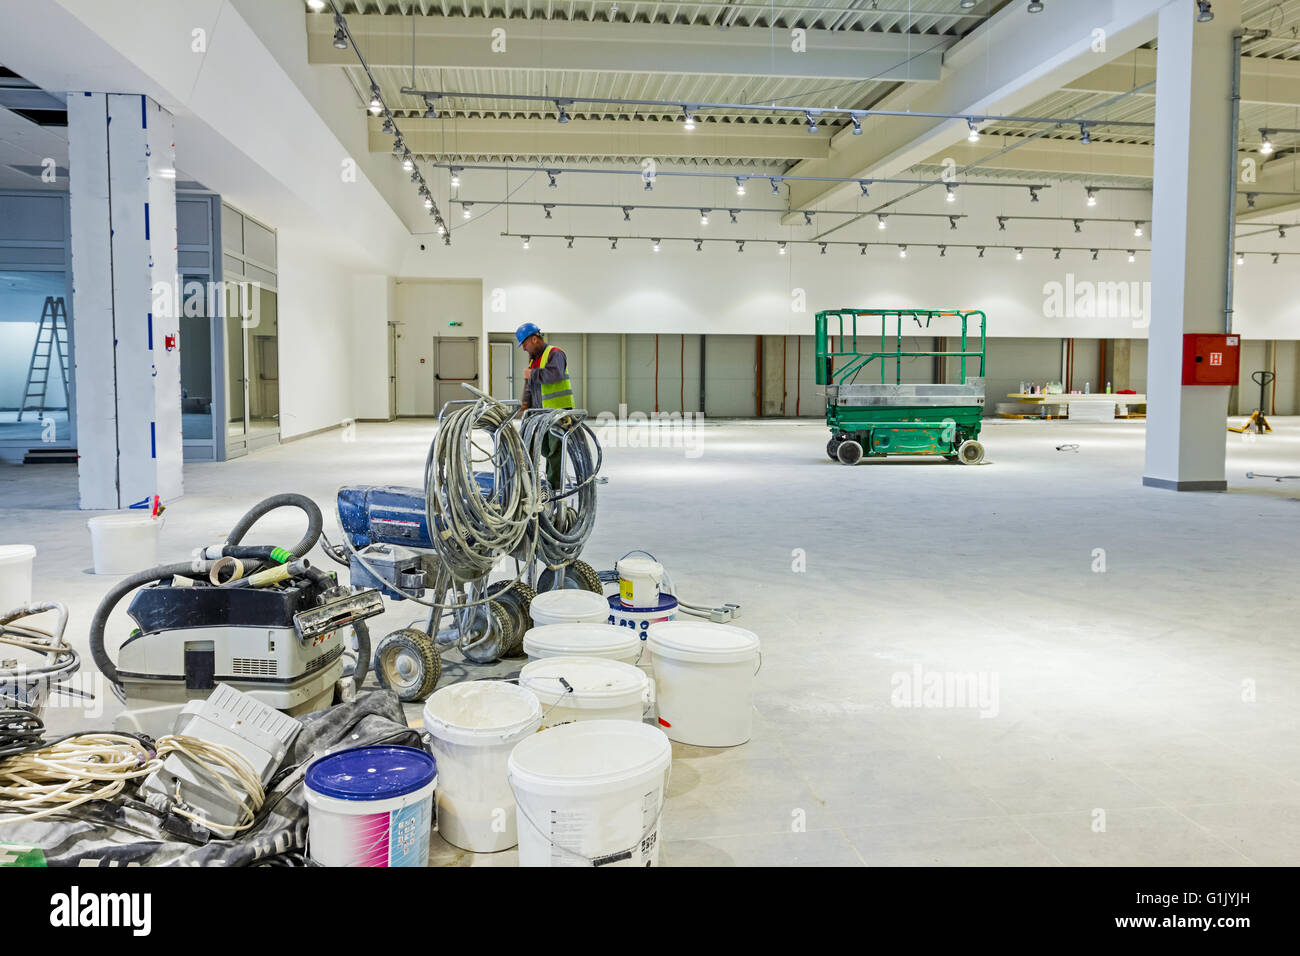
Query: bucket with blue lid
[[371, 806]]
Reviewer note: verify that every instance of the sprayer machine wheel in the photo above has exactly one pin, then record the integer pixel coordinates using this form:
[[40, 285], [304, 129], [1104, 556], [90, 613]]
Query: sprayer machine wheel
[[407, 663], [577, 574], [359, 656], [515, 597], [491, 620]]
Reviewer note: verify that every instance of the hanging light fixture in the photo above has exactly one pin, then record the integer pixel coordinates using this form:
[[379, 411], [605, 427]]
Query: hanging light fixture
[[952, 195], [704, 217], [740, 186], [974, 135], [780, 248], [902, 252], [1265, 144], [526, 238], [689, 121], [880, 221], [1092, 195], [1137, 229]]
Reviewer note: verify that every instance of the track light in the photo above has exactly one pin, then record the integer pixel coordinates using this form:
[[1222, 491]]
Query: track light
[[388, 125], [1020, 253], [967, 4], [780, 248], [1033, 194], [1002, 223], [862, 184], [902, 252], [689, 122], [1203, 12], [704, 217], [526, 238], [732, 213], [862, 248], [699, 245], [974, 135], [455, 177], [952, 195], [442, 229], [376, 104], [880, 221], [1132, 256], [627, 213], [1137, 229], [1094, 255], [1265, 145], [428, 204], [1056, 253], [570, 240], [562, 116], [546, 208], [340, 39], [740, 245], [1078, 225], [857, 124], [1092, 195], [774, 181], [316, 5], [1275, 258], [1241, 258], [649, 183], [952, 222], [430, 112], [812, 122], [613, 243], [464, 211], [1281, 232], [980, 250], [823, 245], [407, 165], [807, 218], [1035, 6], [1085, 137], [943, 251], [655, 246], [550, 175], [1250, 199], [740, 186]]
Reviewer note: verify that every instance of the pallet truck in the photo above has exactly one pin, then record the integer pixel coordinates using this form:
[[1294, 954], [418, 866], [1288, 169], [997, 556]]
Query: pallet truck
[[1257, 419]]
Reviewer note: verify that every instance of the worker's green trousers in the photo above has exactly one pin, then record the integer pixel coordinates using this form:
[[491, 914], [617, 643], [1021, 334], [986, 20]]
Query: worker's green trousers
[[551, 451]]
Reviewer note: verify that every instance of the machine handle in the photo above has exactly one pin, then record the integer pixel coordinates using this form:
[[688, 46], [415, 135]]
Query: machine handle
[[439, 378]]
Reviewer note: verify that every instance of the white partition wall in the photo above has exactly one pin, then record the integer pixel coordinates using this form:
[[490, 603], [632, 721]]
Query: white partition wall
[[123, 210]]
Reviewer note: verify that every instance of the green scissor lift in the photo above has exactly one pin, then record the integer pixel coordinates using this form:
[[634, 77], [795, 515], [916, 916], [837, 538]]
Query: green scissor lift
[[892, 418]]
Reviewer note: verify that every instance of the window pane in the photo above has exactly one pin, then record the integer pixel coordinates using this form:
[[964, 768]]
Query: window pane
[[35, 358]]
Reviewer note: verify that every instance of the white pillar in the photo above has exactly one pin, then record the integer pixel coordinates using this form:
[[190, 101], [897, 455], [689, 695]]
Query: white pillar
[[1187, 425], [122, 197]]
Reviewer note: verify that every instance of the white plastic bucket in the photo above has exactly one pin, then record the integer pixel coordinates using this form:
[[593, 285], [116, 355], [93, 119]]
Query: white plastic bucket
[[475, 725], [371, 806], [568, 606], [124, 542], [638, 581], [591, 793], [15, 576], [582, 640], [704, 681], [598, 689], [638, 621]]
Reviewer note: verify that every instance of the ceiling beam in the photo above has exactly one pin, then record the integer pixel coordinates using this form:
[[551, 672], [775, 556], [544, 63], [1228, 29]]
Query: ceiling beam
[[1006, 64], [1277, 187], [1263, 81], [562, 45], [545, 137], [1065, 157]]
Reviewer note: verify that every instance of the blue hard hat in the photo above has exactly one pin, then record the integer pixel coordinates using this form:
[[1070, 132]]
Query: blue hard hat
[[524, 331]]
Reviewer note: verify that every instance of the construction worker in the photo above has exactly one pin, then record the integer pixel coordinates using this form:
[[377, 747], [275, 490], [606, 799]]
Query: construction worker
[[546, 385]]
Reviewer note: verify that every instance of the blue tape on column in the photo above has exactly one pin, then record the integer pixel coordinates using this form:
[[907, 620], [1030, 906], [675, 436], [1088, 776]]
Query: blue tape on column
[[144, 114], [150, 333], [153, 440], [146, 222]]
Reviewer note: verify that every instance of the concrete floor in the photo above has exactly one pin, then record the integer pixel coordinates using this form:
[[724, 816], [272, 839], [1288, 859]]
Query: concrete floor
[[1135, 647]]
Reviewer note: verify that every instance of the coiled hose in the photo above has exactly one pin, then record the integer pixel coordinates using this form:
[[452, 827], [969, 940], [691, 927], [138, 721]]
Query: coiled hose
[[473, 530], [198, 568], [560, 538]]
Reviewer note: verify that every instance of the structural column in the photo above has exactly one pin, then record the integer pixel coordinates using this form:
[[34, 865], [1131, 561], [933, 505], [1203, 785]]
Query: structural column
[[122, 198], [1186, 436]]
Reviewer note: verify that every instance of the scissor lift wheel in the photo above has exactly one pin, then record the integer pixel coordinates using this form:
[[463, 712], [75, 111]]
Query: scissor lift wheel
[[849, 452], [970, 452], [407, 663]]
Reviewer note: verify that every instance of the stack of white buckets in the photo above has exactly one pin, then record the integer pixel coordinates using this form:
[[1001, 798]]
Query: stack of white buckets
[[563, 763]]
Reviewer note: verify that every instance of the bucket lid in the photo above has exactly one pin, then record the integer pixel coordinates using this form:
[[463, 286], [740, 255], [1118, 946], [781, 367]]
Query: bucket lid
[[702, 641], [580, 639], [569, 602], [590, 753], [372, 773], [665, 604], [121, 519], [595, 679], [628, 566], [16, 552], [480, 708]]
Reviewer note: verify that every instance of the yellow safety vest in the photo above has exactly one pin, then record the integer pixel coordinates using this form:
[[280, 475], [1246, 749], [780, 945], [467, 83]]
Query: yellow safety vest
[[556, 394]]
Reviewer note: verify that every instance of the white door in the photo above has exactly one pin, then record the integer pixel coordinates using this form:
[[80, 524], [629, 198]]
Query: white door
[[501, 355], [457, 362]]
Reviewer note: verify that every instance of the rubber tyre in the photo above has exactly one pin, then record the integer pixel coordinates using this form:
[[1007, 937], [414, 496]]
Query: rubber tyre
[[494, 648], [578, 574], [832, 447], [515, 597], [849, 453], [970, 452], [407, 663]]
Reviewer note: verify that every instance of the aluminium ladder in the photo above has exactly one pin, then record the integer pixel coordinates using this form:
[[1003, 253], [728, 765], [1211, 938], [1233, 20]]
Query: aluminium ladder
[[51, 341]]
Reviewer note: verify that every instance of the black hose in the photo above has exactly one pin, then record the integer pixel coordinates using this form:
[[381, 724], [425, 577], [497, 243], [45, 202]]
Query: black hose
[[120, 590], [315, 522]]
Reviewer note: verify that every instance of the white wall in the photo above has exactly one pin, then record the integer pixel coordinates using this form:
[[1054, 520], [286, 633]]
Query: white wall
[[372, 311], [424, 310]]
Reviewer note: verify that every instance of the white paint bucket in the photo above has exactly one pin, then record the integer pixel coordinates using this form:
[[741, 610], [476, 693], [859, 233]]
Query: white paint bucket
[[582, 640], [598, 689], [371, 806], [704, 681], [639, 621], [591, 793], [124, 542], [638, 581], [474, 726], [16, 576], [568, 606]]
